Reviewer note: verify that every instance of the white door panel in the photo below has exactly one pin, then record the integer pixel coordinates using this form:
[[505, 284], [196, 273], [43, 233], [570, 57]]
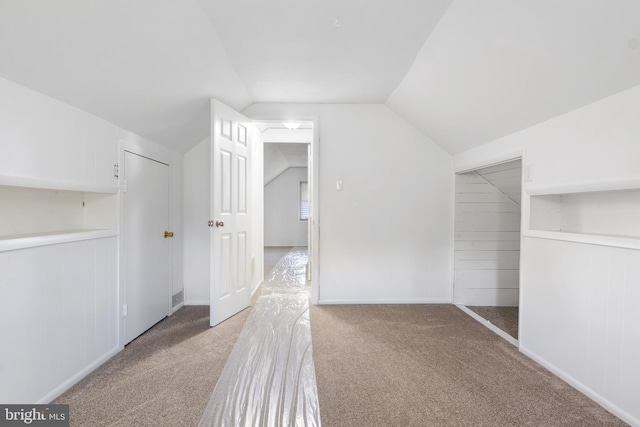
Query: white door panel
[[147, 271], [231, 134]]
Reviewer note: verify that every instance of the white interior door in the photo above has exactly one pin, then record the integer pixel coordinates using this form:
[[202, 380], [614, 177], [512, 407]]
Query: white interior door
[[147, 271], [230, 222]]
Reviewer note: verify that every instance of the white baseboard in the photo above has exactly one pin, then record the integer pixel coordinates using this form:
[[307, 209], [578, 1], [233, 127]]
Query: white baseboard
[[593, 395], [177, 307], [58, 391], [253, 291], [196, 302], [488, 324], [387, 301]]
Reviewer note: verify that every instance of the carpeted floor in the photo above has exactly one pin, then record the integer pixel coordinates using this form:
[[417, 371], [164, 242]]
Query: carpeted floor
[[505, 318], [433, 365], [163, 378], [407, 365]]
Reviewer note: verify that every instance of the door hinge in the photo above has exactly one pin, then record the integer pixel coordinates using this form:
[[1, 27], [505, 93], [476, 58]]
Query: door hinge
[[125, 186], [124, 310], [116, 171]]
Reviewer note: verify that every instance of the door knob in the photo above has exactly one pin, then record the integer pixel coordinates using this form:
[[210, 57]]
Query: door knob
[[168, 234], [210, 223], [219, 223]]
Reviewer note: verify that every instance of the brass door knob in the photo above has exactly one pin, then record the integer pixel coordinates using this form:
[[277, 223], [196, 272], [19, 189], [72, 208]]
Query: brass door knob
[[168, 234]]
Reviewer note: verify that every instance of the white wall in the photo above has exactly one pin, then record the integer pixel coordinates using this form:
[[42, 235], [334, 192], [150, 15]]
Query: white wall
[[62, 298], [387, 236], [197, 252], [578, 301], [282, 225]]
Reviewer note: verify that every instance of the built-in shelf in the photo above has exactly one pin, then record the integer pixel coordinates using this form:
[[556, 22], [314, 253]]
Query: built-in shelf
[[45, 184], [602, 217], [12, 243], [589, 239], [36, 212]]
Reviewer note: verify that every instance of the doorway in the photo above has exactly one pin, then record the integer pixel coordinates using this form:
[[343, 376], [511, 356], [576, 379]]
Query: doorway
[[487, 244], [147, 275], [289, 188]]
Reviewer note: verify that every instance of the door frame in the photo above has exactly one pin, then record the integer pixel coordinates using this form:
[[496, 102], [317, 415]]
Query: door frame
[[314, 177], [471, 166], [160, 156]]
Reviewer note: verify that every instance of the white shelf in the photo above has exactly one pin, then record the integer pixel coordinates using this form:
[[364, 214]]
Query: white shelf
[[26, 182], [12, 243], [589, 239], [584, 187]]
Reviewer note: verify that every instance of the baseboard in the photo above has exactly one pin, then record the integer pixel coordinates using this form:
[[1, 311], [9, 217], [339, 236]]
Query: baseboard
[[177, 307], [593, 395], [197, 302], [387, 301], [58, 391], [253, 291], [488, 324]]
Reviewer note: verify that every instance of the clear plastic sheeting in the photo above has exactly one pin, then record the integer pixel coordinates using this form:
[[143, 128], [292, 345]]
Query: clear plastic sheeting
[[269, 379]]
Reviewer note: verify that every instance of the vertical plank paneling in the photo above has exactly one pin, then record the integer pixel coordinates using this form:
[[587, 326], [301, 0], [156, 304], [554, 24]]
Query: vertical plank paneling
[[55, 298], [580, 316]]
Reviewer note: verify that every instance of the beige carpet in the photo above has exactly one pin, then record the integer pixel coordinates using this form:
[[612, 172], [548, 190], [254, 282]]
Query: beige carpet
[[433, 365], [505, 318], [163, 378]]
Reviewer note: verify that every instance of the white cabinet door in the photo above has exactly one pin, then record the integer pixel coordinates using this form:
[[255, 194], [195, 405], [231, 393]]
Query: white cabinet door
[[231, 137]]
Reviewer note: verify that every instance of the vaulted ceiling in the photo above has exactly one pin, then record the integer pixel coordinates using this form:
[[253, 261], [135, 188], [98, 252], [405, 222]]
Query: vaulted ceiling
[[465, 72]]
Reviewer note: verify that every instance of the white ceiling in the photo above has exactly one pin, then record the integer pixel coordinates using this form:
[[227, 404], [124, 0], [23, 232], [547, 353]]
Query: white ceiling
[[494, 67], [278, 157], [323, 51], [149, 66], [464, 72]]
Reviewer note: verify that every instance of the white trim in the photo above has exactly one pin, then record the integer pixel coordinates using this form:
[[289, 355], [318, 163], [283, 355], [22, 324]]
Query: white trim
[[387, 301], [587, 239], [177, 307], [197, 302], [255, 289], [160, 156], [46, 184], [53, 238], [488, 161], [583, 187], [314, 177], [488, 324], [66, 385], [599, 399]]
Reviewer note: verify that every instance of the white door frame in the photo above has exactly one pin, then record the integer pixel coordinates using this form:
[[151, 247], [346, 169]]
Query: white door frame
[[524, 225], [162, 157], [314, 175]]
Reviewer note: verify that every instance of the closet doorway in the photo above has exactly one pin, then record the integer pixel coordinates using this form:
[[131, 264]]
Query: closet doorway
[[487, 245]]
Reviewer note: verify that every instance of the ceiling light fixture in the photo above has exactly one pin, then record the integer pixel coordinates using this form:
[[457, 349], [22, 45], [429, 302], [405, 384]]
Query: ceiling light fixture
[[292, 126]]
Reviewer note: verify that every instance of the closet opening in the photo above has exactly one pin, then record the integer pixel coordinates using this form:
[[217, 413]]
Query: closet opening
[[487, 245]]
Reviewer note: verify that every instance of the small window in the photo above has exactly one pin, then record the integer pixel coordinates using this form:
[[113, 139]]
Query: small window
[[304, 201]]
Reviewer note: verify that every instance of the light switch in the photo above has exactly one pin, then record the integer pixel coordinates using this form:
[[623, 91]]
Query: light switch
[[528, 173], [339, 185]]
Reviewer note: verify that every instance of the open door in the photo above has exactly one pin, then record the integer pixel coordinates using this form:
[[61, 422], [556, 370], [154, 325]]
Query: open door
[[232, 136]]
